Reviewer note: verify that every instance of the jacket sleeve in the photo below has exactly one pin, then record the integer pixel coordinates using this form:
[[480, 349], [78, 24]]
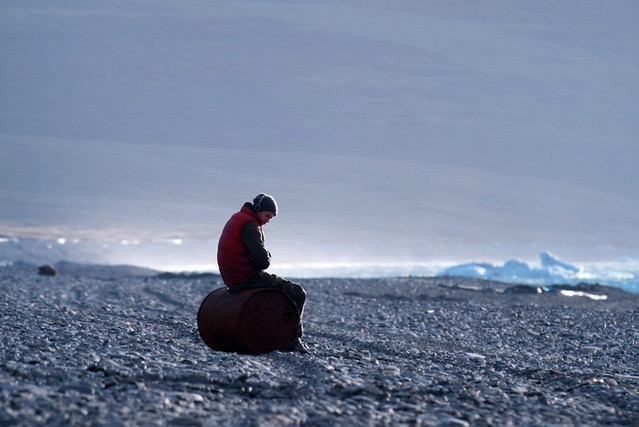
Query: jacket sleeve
[[252, 238]]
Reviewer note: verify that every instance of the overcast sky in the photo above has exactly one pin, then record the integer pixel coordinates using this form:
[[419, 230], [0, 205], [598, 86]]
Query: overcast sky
[[397, 131]]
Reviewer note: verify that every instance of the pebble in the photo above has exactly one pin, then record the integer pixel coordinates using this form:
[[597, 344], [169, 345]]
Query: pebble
[[475, 356], [123, 350], [391, 370], [611, 382]]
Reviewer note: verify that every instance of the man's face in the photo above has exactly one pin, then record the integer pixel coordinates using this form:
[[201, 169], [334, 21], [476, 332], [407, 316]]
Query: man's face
[[265, 217]]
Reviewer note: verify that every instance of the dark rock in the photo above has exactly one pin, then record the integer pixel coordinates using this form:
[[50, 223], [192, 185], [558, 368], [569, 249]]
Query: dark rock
[[47, 270], [522, 289]]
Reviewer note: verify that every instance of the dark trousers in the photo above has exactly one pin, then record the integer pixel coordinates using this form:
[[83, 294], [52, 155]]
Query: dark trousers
[[273, 281]]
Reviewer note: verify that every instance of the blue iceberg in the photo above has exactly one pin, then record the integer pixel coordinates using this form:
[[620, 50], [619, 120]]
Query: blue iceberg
[[550, 270]]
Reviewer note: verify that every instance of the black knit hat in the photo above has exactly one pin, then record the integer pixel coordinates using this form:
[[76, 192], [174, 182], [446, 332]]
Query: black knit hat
[[264, 202]]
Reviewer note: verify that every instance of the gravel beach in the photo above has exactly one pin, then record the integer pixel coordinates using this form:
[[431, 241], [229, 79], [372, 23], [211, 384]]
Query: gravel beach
[[119, 346]]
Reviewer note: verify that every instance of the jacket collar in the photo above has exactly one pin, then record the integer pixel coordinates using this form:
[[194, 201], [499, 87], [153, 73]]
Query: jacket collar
[[248, 209]]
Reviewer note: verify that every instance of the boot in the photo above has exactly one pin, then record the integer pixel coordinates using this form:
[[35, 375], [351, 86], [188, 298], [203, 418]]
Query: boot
[[299, 347]]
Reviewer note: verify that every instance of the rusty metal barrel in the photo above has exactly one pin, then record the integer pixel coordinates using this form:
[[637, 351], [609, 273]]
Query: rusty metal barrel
[[254, 321]]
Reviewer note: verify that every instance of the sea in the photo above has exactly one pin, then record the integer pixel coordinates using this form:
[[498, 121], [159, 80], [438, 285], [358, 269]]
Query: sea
[[197, 256]]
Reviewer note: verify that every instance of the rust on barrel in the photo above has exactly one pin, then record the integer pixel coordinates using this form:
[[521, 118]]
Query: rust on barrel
[[254, 321]]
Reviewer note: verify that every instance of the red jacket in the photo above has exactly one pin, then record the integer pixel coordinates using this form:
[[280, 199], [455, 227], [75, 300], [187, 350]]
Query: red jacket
[[234, 259]]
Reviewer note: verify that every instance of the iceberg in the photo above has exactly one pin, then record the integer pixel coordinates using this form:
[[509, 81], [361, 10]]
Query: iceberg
[[551, 269]]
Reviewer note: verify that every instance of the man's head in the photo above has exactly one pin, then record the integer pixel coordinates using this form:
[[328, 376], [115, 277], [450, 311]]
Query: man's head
[[265, 206]]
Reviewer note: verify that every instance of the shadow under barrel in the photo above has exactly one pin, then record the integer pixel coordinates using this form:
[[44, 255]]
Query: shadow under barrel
[[254, 321]]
